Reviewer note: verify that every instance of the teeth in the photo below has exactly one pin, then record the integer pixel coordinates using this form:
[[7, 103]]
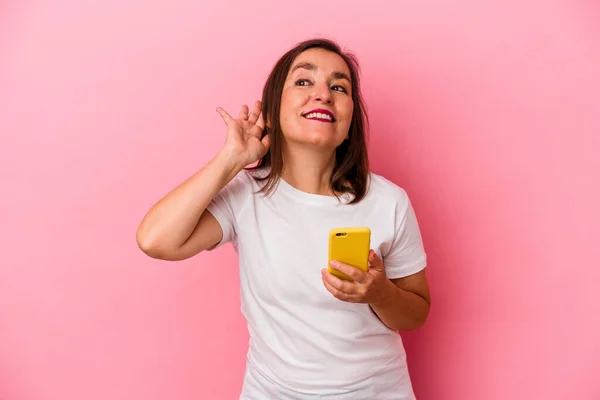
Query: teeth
[[319, 115]]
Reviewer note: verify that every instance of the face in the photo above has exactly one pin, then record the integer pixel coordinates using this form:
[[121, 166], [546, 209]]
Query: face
[[316, 101]]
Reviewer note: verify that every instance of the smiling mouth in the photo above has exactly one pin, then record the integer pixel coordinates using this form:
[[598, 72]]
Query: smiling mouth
[[319, 115]]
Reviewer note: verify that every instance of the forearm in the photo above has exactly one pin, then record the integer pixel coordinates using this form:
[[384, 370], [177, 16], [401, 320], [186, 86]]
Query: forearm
[[171, 221], [400, 309]]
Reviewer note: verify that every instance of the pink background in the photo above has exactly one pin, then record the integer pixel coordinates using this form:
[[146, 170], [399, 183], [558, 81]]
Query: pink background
[[486, 112]]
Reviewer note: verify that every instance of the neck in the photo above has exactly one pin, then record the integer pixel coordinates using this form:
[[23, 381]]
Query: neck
[[309, 171]]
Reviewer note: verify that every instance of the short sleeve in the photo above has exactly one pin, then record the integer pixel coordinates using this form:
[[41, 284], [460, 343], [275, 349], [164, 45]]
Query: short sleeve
[[406, 255], [227, 204]]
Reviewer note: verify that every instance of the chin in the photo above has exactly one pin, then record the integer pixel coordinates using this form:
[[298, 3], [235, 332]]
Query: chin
[[317, 141], [326, 138]]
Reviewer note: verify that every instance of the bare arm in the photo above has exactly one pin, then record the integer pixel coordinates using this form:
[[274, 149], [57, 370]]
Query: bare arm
[[405, 303], [401, 304], [178, 226]]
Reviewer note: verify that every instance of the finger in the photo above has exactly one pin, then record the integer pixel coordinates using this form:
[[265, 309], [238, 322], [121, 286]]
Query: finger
[[253, 116], [266, 141], [226, 117], [243, 112], [338, 293], [339, 284], [260, 122], [375, 261], [353, 272]]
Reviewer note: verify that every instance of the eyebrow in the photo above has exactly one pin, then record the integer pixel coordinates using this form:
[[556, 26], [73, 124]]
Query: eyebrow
[[311, 67]]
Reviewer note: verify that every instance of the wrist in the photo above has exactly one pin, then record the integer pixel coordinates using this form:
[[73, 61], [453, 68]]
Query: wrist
[[387, 295], [229, 161]]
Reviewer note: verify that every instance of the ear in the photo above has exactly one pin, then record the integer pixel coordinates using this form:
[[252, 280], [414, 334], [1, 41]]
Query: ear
[[268, 121]]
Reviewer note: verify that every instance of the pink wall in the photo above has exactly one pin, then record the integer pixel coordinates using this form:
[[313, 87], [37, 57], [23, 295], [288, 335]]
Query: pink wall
[[486, 112]]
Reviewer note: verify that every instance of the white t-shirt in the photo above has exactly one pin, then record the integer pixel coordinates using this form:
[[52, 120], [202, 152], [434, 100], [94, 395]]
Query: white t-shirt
[[302, 339]]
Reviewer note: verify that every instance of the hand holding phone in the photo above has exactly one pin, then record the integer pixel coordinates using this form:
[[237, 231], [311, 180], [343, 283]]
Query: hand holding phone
[[350, 246]]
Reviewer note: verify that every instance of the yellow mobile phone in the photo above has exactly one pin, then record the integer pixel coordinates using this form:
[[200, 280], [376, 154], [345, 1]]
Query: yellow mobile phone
[[350, 246]]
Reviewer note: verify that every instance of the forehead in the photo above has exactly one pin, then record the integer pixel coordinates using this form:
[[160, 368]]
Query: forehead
[[322, 60]]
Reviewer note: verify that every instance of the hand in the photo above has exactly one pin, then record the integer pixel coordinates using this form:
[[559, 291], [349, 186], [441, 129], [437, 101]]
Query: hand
[[244, 134], [366, 287]]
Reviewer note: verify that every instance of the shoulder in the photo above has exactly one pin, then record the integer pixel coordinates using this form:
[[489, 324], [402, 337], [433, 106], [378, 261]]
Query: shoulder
[[246, 179], [382, 188], [240, 188]]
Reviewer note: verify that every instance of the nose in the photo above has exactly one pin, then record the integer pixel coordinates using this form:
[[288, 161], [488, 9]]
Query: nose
[[322, 93]]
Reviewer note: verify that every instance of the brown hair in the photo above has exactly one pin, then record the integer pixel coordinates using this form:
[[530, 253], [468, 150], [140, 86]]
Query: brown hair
[[351, 169]]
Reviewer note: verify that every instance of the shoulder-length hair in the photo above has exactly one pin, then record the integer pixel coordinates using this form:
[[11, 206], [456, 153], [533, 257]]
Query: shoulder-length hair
[[351, 169]]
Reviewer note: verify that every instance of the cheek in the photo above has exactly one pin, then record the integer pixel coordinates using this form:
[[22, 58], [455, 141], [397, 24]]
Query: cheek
[[347, 110], [290, 109], [349, 106], [287, 107], [291, 99]]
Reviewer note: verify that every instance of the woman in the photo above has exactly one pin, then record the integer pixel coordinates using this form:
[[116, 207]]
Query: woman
[[312, 335]]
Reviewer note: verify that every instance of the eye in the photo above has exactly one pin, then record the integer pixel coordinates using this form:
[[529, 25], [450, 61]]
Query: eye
[[339, 88], [302, 82]]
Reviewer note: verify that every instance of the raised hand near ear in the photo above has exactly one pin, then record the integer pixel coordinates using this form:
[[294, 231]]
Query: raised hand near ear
[[244, 134]]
